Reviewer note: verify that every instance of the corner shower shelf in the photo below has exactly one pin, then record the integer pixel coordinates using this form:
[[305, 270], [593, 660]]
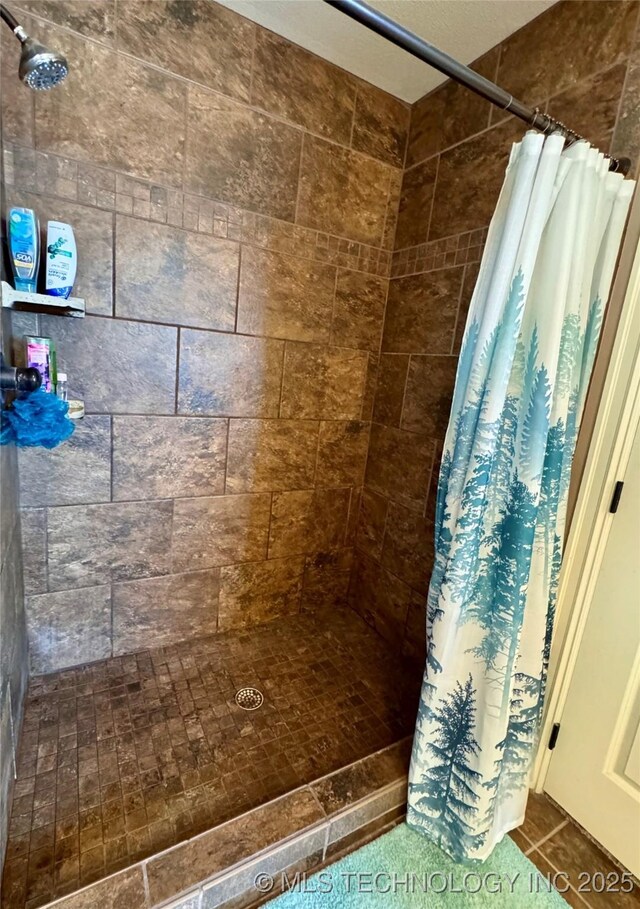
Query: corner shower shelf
[[42, 303]]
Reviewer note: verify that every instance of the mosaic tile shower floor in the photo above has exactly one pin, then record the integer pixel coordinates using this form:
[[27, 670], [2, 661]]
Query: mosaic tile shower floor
[[122, 758]]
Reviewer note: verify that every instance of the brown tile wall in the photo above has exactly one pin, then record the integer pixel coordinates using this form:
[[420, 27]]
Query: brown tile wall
[[580, 61], [234, 199]]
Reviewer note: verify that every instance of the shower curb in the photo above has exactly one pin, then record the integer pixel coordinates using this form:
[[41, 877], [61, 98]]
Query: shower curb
[[250, 858]]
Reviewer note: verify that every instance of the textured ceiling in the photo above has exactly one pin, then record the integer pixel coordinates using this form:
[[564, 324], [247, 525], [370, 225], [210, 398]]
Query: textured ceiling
[[463, 28]]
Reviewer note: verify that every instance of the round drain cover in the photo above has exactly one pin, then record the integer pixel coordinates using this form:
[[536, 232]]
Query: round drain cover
[[249, 698]]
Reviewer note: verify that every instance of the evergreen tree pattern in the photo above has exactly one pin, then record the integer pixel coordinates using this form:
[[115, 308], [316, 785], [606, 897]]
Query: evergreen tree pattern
[[499, 526], [447, 792]]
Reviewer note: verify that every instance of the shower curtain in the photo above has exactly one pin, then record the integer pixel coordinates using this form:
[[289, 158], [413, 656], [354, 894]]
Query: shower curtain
[[524, 368]]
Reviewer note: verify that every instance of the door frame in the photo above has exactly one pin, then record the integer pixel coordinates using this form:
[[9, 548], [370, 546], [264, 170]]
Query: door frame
[[606, 455]]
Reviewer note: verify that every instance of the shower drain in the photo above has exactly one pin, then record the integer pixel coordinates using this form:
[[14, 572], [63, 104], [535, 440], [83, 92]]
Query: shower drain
[[249, 698]]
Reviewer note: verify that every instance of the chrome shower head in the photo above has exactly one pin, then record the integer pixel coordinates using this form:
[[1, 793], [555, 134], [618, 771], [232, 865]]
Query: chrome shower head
[[40, 68]]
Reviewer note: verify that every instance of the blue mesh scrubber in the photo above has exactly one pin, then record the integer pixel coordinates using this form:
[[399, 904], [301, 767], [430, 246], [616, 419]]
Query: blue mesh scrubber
[[36, 419]]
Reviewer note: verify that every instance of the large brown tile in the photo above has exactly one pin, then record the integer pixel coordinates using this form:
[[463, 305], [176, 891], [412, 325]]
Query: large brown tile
[[342, 192], [360, 831], [93, 231], [392, 381], [567, 43], [408, 546], [300, 856], [371, 381], [292, 83], [95, 544], [416, 199], [77, 471], [116, 366], [626, 138], [380, 125], [360, 780], [449, 114], [358, 312], [237, 155], [160, 611], [470, 177], [323, 382], [161, 457], [33, 529], [347, 825], [259, 592], [414, 645], [425, 132], [471, 272], [124, 890], [427, 402], [572, 852], [549, 873], [352, 524], [68, 628], [68, 121], [308, 521], [371, 523], [399, 465], [541, 818], [422, 311], [326, 580], [220, 530], [380, 598], [199, 40], [229, 375], [91, 18], [268, 455], [391, 224], [164, 274], [342, 453], [200, 858], [284, 296], [591, 107]]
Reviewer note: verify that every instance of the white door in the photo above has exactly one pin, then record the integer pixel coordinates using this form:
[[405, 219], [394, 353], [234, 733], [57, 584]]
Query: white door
[[594, 773]]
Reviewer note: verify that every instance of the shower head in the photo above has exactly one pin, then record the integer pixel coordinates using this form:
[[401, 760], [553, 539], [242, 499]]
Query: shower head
[[40, 68]]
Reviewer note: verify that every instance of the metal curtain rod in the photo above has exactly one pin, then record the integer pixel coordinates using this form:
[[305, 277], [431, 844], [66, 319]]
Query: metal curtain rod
[[402, 37]]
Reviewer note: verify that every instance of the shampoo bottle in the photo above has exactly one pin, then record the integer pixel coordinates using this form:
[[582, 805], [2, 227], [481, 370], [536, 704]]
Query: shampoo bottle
[[24, 248], [62, 259]]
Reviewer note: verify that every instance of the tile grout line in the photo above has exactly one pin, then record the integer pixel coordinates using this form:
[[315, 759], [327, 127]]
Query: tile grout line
[[550, 834], [558, 871]]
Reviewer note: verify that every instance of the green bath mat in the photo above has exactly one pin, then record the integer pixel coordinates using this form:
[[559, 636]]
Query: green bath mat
[[403, 869]]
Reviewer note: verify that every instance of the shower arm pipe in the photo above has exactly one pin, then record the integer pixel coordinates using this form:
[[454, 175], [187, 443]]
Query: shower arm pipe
[[385, 27], [12, 22]]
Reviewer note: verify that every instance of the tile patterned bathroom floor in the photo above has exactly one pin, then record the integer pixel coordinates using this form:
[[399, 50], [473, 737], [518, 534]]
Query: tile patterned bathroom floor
[[559, 848], [122, 758]]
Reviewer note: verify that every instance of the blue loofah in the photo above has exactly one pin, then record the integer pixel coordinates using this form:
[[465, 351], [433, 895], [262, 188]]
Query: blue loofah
[[36, 419]]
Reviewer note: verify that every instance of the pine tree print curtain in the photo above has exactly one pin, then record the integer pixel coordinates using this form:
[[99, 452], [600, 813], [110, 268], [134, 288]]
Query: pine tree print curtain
[[524, 368]]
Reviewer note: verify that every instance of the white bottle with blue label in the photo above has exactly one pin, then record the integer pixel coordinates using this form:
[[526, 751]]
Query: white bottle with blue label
[[62, 259]]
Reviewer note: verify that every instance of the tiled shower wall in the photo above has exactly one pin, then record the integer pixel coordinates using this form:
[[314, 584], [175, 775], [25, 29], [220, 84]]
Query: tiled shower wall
[[581, 61], [234, 201]]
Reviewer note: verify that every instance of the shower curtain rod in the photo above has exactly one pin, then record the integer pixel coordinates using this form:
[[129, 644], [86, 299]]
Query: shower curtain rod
[[402, 37]]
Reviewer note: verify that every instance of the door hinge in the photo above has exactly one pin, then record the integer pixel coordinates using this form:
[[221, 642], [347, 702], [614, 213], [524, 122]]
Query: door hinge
[[553, 738], [615, 498]]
